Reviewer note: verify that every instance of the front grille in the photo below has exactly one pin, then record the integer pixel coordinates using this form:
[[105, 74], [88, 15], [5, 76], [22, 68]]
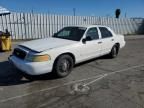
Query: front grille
[[19, 53]]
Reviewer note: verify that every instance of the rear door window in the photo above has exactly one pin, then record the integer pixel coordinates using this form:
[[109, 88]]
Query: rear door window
[[105, 33]]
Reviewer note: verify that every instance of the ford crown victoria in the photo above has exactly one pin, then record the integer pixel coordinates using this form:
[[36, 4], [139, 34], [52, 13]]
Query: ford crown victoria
[[67, 47]]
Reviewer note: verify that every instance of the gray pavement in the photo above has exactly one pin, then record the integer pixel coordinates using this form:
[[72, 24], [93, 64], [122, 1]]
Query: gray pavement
[[134, 37], [109, 83]]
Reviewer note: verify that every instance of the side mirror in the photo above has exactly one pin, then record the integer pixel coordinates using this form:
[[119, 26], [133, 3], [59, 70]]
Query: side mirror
[[84, 41], [88, 38]]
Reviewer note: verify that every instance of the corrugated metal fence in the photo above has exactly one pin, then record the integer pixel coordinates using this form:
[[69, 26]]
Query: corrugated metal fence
[[32, 26]]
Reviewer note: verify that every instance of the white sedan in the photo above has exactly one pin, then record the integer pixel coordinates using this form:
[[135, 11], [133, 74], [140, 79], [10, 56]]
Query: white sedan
[[69, 46]]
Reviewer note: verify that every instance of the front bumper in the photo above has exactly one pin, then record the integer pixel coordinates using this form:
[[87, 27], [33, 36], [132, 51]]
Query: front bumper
[[31, 68]]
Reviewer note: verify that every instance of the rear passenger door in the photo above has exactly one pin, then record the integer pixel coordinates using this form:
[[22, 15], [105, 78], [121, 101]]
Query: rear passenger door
[[106, 39]]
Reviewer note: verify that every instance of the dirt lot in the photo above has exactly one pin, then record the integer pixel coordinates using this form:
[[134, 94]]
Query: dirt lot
[[99, 83]]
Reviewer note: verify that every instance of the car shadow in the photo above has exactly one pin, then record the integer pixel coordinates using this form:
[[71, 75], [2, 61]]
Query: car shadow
[[9, 75], [51, 76], [93, 59]]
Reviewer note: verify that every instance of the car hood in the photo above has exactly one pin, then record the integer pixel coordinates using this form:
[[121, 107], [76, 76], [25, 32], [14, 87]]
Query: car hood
[[46, 44]]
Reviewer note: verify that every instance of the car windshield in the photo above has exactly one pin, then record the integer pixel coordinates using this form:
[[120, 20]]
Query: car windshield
[[71, 33]]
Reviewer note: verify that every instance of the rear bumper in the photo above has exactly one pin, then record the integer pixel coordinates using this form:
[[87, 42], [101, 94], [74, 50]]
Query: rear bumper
[[31, 68], [122, 44]]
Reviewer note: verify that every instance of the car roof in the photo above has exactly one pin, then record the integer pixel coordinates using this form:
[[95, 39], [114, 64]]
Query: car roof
[[88, 26]]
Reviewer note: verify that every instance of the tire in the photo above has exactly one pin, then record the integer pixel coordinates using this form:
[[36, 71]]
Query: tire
[[114, 51], [63, 66]]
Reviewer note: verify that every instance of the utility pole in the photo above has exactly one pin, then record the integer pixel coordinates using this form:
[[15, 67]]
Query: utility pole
[[125, 15], [74, 11], [32, 11]]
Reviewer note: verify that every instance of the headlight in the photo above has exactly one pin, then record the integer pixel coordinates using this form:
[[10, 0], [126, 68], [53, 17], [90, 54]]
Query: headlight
[[37, 58]]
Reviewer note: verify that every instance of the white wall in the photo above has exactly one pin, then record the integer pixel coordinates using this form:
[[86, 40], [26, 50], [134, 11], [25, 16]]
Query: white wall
[[32, 26]]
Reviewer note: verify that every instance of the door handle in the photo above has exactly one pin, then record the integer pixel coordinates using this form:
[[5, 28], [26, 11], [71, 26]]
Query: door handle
[[99, 42]]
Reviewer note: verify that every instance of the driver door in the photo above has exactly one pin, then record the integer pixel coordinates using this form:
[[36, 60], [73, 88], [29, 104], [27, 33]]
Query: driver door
[[92, 47]]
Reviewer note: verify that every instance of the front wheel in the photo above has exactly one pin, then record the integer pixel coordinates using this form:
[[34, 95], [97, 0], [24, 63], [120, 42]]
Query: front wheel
[[63, 66], [114, 51]]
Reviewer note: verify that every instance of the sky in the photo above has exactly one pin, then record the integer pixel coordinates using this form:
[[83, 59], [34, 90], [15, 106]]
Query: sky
[[129, 8]]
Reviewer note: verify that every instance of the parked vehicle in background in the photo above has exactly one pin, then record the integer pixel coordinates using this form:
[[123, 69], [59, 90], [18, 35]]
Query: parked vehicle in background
[[69, 46]]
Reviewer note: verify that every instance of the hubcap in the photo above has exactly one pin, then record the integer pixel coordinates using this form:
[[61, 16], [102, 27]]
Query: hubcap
[[64, 67]]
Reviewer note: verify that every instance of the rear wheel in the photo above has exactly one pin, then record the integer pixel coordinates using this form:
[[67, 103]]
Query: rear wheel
[[114, 51], [63, 66]]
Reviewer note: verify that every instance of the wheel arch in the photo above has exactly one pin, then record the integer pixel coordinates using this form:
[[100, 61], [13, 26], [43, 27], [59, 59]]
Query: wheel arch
[[66, 53]]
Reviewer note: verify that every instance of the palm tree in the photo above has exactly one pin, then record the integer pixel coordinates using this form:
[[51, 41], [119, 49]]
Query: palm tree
[[117, 13]]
